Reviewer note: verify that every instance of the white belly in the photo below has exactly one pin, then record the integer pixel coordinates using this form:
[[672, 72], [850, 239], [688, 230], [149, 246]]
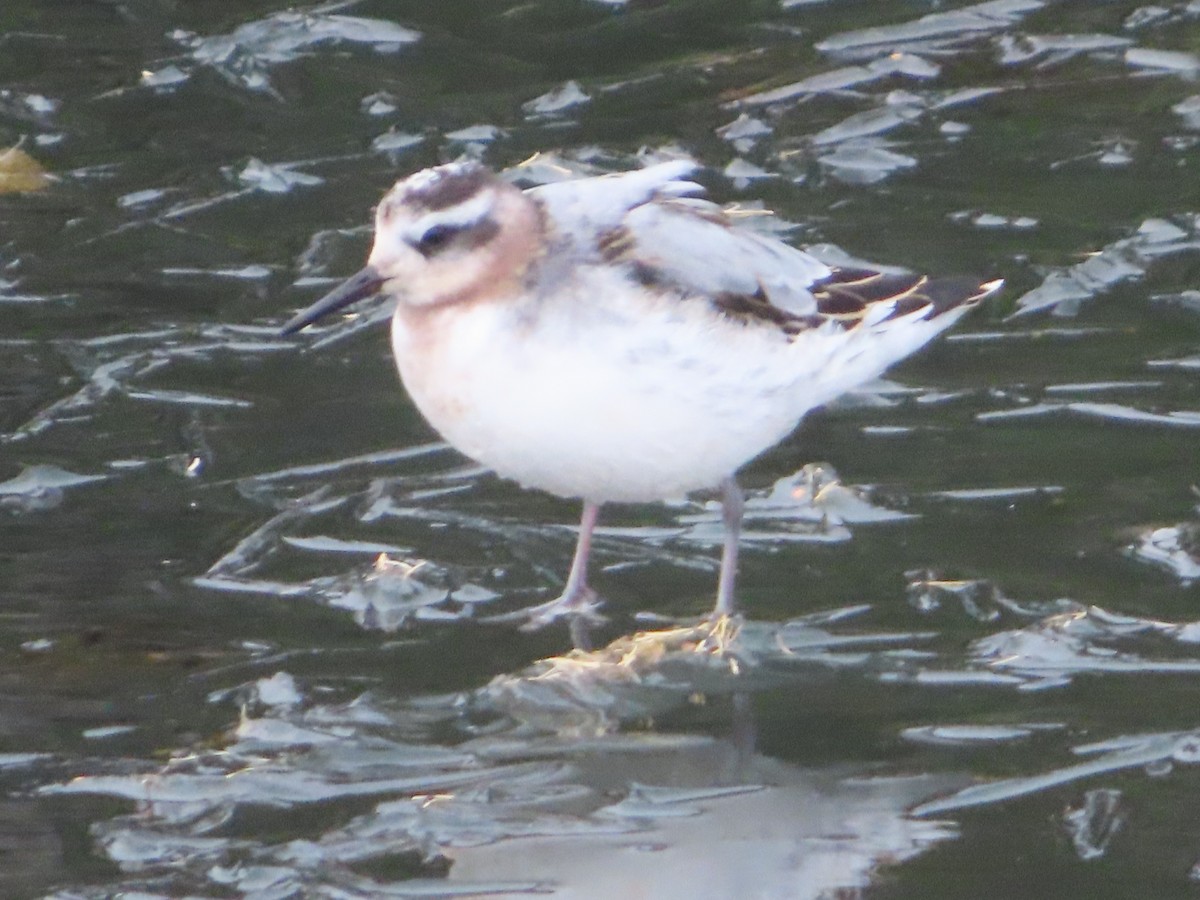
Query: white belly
[[620, 401], [595, 407]]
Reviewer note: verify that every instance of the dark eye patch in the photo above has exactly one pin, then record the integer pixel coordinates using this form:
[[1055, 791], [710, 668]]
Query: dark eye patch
[[438, 237]]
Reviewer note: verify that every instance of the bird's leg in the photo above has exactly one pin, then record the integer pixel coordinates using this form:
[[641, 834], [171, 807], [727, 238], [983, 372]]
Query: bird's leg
[[733, 503], [577, 589], [578, 600]]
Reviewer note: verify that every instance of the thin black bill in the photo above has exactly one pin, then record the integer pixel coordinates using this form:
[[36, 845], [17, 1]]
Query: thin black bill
[[363, 284]]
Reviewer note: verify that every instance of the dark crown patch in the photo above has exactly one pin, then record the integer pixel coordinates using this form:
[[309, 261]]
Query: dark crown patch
[[445, 186]]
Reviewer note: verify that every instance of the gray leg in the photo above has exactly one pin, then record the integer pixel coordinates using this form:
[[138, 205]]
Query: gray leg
[[577, 599], [733, 502], [577, 586]]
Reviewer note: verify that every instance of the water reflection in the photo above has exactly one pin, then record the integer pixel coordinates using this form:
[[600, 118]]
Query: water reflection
[[543, 789], [547, 778], [1005, 554]]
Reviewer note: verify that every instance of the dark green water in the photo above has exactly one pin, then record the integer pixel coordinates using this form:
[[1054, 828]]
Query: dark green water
[[138, 349]]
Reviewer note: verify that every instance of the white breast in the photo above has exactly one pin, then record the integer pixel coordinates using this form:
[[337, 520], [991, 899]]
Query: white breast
[[622, 401], [606, 392]]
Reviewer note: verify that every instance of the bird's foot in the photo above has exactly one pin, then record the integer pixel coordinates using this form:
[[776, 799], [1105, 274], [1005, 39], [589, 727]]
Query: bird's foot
[[720, 631], [582, 604], [579, 605]]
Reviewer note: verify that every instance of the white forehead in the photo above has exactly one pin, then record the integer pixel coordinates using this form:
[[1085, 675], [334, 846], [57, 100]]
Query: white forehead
[[457, 194], [461, 215], [427, 179], [412, 220]]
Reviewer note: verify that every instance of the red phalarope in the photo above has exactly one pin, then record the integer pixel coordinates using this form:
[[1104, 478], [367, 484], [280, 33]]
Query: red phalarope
[[618, 339]]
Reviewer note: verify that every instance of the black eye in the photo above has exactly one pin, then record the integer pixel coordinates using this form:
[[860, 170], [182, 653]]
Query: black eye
[[435, 238]]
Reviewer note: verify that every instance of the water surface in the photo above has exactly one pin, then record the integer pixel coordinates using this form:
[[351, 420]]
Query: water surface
[[968, 663]]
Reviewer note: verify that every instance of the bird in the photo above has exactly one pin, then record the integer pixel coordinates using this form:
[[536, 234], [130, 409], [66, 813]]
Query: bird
[[620, 338]]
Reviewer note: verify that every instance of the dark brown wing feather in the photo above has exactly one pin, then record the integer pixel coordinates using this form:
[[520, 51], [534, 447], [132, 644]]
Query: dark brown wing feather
[[844, 296], [847, 294]]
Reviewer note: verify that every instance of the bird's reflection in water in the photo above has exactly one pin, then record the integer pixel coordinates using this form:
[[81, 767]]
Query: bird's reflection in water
[[591, 775], [705, 816]]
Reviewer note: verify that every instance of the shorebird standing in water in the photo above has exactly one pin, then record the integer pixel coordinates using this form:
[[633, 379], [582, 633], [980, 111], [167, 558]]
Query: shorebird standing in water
[[619, 339]]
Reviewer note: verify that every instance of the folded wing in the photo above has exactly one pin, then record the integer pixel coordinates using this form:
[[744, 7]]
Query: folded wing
[[653, 223]]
